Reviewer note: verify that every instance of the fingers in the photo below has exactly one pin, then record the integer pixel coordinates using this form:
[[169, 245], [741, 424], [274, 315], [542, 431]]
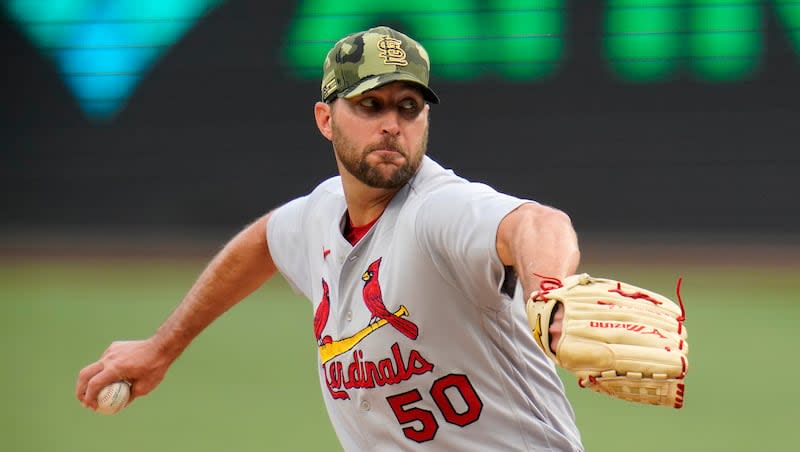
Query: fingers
[[140, 388], [83, 379], [138, 362], [98, 382], [96, 376]]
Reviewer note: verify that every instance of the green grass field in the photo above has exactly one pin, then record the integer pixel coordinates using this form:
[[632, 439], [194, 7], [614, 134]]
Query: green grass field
[[249, 382]]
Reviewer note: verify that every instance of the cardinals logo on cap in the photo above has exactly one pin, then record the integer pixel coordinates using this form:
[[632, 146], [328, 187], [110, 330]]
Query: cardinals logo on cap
[[391, 51]]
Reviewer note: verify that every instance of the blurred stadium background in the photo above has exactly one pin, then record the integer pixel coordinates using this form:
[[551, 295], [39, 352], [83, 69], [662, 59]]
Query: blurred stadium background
[[136, 136]]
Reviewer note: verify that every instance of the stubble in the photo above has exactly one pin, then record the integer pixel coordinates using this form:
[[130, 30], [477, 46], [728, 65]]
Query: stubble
[[355, 160]]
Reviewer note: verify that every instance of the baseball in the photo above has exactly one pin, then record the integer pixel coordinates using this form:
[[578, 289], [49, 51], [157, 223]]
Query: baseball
[[113, 397]]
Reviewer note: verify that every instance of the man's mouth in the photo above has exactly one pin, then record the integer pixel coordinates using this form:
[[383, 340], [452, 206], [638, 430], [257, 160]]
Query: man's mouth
[[387, 152]]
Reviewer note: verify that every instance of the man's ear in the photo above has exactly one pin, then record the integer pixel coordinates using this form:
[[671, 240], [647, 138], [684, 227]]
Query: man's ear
[[322, 113]]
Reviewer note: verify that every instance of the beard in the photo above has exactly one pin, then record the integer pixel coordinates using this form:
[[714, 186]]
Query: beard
[[355, 161]]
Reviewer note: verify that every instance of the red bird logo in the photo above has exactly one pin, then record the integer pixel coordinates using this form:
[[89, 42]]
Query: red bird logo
[[321, 315], [374, 301]]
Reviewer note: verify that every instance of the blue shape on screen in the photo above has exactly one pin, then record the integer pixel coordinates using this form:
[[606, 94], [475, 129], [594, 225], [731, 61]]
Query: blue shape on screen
[[103, 48]]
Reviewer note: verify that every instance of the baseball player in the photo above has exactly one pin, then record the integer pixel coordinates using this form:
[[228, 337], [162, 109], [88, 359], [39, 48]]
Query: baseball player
[[417, 277]]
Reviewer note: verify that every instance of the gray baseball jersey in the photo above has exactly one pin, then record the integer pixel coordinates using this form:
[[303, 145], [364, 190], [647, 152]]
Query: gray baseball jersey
[[419, 346]]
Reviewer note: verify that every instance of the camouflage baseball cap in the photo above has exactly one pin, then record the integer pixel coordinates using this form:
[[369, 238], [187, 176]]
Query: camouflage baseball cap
[[369, 59]]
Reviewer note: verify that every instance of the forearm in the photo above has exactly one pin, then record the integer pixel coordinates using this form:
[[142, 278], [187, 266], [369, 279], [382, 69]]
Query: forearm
[[538, 240], [242, 266]]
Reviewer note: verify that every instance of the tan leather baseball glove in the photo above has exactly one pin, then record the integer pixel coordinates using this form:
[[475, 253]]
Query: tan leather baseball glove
[[617, 339]]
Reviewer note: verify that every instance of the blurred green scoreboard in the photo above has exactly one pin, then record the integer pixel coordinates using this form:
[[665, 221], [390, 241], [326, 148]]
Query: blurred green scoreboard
[[103, 48], [642, 40]]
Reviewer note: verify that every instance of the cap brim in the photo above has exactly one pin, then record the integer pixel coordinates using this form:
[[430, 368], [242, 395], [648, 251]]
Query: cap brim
[[384, 79]]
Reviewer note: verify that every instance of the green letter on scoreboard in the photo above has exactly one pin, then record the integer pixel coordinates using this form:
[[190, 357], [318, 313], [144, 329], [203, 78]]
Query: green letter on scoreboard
[[643, 39], [713, 40], [789, 13], [440, 26]]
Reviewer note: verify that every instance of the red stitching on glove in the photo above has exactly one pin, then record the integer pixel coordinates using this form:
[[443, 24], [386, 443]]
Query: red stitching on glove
[[592, 380], [682, 317], [679, 395], [546, 284], [549, 282], [634, 295]]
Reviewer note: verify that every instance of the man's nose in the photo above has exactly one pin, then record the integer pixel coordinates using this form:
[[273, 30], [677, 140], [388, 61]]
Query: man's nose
[[390, 123]]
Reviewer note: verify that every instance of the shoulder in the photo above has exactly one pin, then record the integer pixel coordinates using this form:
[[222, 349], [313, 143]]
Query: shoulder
[[447, 206], [329, 193], [325, 198], [437, 187], [331, 187], [432, 178]]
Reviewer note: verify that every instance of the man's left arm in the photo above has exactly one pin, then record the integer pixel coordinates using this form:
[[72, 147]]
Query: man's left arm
[[538, 240]]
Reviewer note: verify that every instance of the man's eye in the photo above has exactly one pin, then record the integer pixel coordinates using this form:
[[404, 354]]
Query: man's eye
[[369, 102], [408, 105]]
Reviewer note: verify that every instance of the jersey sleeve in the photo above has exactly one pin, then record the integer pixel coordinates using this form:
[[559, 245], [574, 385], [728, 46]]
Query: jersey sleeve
[[457, 227], [284, 239]]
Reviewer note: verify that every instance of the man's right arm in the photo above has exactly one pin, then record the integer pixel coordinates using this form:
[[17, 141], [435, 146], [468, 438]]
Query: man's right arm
[[241, 267]]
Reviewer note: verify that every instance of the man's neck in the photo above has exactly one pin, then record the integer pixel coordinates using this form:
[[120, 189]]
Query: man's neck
[[364, 203]]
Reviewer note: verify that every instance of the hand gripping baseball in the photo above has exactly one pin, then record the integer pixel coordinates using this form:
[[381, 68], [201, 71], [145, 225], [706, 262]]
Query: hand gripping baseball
[[139, 363], [617, 339]]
